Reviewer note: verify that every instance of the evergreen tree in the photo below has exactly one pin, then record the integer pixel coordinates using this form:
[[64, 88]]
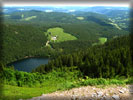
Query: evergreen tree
[[70, 61]]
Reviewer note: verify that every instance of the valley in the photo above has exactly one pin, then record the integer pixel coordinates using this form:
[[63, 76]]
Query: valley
[[49, 49]]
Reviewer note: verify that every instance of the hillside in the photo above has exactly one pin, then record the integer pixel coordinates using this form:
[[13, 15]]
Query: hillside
[[77, 34], [98, 61], [22, 40], [118, 15]]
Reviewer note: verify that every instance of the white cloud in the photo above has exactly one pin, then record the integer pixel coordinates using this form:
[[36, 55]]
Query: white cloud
[[71, 10], [48, 10]]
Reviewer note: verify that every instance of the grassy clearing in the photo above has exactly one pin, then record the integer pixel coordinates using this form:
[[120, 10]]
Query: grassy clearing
[[50, 84], [22, 16], [61, 35], [102, 40], [80, 18], [15, 92], [29, 18]]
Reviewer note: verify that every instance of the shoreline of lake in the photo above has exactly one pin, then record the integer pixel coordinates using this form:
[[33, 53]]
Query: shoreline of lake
[[26, 57], [29, 63]]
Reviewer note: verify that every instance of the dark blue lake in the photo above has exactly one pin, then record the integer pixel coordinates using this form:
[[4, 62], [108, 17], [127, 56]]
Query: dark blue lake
[[29, 64]]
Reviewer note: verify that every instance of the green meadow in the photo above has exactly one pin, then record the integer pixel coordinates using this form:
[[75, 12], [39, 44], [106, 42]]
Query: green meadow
[[61, 35], [28, 18], [80, 18], [102, 40]]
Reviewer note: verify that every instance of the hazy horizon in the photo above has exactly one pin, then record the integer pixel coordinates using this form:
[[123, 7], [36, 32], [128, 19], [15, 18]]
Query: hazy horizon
[[120, 4]]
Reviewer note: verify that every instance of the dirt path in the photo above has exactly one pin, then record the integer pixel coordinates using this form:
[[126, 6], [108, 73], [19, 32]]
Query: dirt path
[[90, 93]]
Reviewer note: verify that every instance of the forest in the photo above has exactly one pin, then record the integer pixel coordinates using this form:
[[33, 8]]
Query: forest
[[106, 61]]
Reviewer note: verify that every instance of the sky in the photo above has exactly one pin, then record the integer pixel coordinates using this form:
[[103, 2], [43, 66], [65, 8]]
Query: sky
[[120, 4], [9, 5]]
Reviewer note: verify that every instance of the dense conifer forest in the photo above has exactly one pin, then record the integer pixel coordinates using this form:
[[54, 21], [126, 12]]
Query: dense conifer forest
[[108, 60]]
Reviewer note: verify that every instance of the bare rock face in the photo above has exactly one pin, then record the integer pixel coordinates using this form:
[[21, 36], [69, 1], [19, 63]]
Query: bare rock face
[[121, 91], [94, 95], [99, 94], [116, 97], [107, 98], [130, 89]]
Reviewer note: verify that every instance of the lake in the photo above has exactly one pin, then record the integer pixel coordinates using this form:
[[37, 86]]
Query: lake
[[29, 64]]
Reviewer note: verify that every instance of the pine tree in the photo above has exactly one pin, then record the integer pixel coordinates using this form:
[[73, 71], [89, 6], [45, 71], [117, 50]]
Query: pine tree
[[70, 61], [107, 71], [56, 63], [75, 60], [112, 72]]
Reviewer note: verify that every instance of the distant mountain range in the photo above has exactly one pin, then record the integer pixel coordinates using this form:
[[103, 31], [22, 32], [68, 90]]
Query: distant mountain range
[[119, 16], [67, 9]]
